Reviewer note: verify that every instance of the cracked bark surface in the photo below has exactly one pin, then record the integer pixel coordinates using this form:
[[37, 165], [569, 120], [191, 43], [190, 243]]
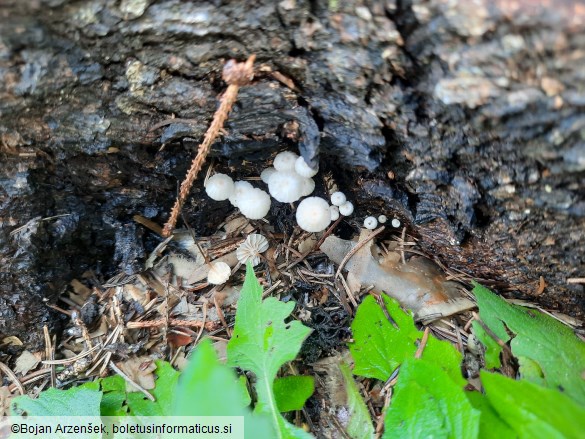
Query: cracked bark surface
[[476, 108]]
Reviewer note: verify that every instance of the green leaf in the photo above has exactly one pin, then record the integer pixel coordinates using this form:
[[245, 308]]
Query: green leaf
[[209, 388], [428, 403], [548, 351], [491, 426], [292, 392], [533, 411], [114, 396], [77, 401], [379, 347], [360, 425], [262, 342], [492, 348], [163, 392], [242, 383]]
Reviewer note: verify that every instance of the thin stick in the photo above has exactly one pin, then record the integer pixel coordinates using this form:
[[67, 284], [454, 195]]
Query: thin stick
[[129, 381], [422, 344], [235, 75], [7, 371], [357, 247]]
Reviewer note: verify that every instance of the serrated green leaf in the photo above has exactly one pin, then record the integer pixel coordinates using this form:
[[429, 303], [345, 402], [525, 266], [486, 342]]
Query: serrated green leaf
[[533, 411], [208, 388], [262, 342], [77, 401], [379, 348], [556, 350], [360, 425], [292, 392], [163, 393], [491, 426], [428, 403]]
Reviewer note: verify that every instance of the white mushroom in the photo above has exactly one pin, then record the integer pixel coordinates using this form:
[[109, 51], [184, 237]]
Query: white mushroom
[[251, 248], [285, 161], [334, 210], [313, 214], [346, 208], [338, 198], [219, 187], [285, 186], [254, 203], [219, 273], [395, 223], [265, 175], [370, 223], [305, 170], [240, 188], [382, 219], [308, 187]]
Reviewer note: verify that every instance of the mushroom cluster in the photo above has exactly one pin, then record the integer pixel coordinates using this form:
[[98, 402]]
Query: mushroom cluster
[[288, 180]]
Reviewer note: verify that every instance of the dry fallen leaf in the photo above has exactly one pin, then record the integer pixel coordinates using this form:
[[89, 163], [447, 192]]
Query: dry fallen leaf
[[140, 370], [25, 362], [418, 285]]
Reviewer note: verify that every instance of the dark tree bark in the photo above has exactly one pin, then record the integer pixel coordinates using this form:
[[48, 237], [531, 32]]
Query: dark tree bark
[[476, 108]]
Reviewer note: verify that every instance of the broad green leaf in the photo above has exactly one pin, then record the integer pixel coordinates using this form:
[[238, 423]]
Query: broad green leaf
[[533, 411], [428, 403], [114, 390], [243, 386], [163, 392], [491, 426], [360, 425], [76, 401], [379, 348], [262, 342], [208, 388], [292, 392], [548, 351]]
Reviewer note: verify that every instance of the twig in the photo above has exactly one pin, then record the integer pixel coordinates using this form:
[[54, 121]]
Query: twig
[[129, 381], [235, 75], [50, 354], [422, 344], [357, 247], [7, 371]]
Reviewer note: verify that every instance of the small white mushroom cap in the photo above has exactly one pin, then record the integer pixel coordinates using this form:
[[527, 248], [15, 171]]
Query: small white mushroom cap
[[346, 208], [251, 248], [382, 219], [254, 204], [370, 223], [395, 223], [334, 210], [313, 214], [338, 198], [240, 189], [219, 187], [303, 169], [265, 175], [219, 273], [285, 161], [285, 186], [308, 186]]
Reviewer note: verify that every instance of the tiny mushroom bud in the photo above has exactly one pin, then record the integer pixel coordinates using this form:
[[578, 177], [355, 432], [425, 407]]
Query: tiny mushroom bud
[[219, 187], [254, 203], [313, 214], [346, 208], [286, 186], [395, 223], [382, 219], [338, 198], [303, 169], [219, 273], [370, 223], [285, 161]]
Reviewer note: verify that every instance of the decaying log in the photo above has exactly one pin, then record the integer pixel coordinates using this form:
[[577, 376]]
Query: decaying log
[[475, 107]]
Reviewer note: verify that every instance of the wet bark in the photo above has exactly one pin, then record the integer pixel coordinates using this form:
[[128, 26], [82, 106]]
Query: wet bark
[[476, 109]]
